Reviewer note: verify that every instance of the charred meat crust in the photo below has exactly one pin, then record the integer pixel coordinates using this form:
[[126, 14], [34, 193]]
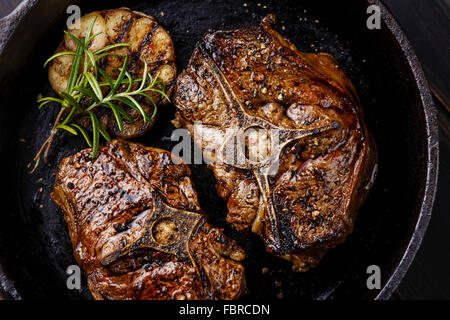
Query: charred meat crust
[[137, 228], [239, 78]]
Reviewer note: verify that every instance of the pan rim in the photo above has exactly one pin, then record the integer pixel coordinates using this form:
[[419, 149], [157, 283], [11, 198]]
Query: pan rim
[[432, 162], [12, 20]]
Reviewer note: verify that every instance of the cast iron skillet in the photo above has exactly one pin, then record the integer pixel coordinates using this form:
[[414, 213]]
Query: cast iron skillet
[[34, 244]]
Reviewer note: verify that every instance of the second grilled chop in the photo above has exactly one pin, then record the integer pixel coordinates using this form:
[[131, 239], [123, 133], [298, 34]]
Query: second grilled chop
[[301, 161], [137, 228]]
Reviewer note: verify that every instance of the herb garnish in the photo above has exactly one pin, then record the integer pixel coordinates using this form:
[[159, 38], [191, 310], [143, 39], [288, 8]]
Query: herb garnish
[[85, 84]]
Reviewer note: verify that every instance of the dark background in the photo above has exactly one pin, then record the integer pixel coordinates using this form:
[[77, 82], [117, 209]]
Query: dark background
[[427, 25]]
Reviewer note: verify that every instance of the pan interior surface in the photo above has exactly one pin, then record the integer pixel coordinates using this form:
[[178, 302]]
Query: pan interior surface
[[35, 248]]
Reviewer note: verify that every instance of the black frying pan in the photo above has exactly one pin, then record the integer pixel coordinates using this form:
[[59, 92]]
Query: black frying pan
[[34, 244]]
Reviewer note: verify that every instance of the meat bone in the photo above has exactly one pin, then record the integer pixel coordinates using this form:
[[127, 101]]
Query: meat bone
[[185, 224]]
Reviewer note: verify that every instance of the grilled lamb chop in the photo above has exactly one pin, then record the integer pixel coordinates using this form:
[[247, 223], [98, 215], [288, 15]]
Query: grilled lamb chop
[[137, 229], [148, 42], [301, 158]]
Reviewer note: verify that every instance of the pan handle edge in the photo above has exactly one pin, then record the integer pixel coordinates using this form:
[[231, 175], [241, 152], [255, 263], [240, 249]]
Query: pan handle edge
[[9, 23]]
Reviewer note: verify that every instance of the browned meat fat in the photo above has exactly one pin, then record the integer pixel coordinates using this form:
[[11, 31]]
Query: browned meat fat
[[302, 193], [137, 228]]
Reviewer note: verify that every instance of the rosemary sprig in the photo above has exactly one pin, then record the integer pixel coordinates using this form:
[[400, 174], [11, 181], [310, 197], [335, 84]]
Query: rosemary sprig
[[84, 83]]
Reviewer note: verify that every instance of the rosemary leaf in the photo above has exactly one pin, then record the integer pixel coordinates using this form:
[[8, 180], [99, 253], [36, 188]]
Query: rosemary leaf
[[94, 85], [155, 106], [70, 100], [116, 114], [69, 116], [94, 35], [75, 69], [138, 107], [110, 47], [43, 104], [120, 77], [144, 76], [74, 38], [87, 92], [162, 93], [107, 77], [95, 132], [125, 114], [147, 97], [59, 54], [46, 100], [130, 82], [104, 133], [127, 103], [49, 99], [92, 61], [88, 33], [155, 110], [67, 128], [84, 133]]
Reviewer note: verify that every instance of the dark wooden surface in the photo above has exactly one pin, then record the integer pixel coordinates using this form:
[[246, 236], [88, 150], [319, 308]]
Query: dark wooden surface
[[427, 25]]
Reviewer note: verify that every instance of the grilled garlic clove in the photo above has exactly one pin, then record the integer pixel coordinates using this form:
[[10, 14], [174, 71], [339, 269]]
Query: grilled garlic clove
[[80, 27]]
